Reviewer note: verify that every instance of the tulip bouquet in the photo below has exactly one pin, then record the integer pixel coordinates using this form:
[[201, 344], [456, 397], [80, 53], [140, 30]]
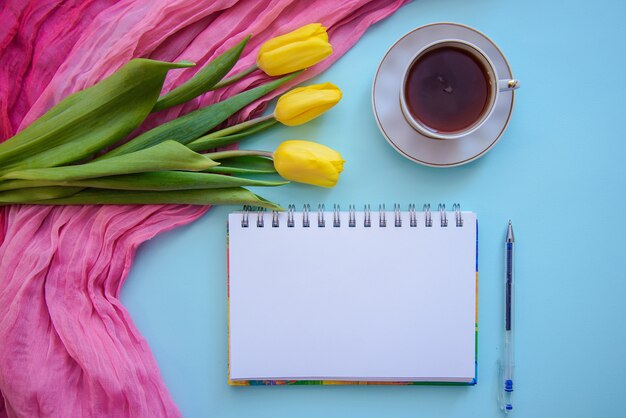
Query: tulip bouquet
[[76, 152]]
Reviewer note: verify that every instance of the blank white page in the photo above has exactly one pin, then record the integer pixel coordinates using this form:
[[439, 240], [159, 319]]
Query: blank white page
[[352, 303]]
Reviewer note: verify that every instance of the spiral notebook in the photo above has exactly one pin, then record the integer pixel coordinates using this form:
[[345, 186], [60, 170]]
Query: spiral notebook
[[353, 297]]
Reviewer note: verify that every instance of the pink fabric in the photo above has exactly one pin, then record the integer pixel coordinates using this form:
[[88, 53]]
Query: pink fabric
[[67, 346], [28, 31]]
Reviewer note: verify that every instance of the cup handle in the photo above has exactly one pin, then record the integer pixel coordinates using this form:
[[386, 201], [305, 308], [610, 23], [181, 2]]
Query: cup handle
[[506, 85]]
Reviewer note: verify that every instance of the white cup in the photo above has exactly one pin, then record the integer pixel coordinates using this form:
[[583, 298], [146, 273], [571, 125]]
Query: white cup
[[496, 86]]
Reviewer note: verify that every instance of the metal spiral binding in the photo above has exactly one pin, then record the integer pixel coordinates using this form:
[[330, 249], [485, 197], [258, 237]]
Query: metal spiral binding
[[305, 215], [367, 216], [321, 223], [442, 215], [290, 210], [396, 215], [336, 219], [245, 216], [428, 222], [367, 220], [412, 216], [260, 222], [351, 216], [457, 214]]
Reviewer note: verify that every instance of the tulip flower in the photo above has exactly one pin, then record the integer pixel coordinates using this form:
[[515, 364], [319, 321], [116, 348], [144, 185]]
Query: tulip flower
[[295, 107], [303, 104], [308, 162], [295, 50], [300, 161], [288, 53]]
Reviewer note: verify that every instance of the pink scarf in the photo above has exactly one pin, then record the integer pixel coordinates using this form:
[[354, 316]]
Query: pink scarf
[[68, 347]]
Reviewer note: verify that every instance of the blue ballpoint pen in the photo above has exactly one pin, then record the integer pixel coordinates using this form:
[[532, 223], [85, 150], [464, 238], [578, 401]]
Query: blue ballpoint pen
[[509, 365]]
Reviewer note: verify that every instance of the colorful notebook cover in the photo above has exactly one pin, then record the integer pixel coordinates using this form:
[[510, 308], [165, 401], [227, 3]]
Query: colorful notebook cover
[[280, 330]]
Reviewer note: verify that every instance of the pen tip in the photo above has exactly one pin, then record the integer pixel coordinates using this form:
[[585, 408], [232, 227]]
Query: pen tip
[[509, 233]]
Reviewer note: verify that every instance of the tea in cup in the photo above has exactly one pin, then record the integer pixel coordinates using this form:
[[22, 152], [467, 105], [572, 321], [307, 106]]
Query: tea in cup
[[450, 88]]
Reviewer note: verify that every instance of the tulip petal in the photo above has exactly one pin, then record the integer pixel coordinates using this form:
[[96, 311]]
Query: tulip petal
[[295, 50], [300, 34], [302, 104], [294, 56], [308, 162]]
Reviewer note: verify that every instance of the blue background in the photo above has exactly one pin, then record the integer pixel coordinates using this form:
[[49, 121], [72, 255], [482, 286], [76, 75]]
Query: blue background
[[558, 173]]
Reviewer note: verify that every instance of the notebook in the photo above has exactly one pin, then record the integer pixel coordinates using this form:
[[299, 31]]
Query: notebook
[[353, 297]]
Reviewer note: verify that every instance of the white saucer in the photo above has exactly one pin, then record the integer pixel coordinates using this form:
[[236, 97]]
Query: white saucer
[[386, 100]]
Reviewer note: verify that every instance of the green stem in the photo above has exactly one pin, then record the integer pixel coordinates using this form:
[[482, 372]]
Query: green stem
[[237, 153], [233, 79], [235, 128], [221, 196], [204, 143]]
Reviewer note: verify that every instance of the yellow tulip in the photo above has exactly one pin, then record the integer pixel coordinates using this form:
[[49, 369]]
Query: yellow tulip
[[302, 104], [308, 162], [295, 50]]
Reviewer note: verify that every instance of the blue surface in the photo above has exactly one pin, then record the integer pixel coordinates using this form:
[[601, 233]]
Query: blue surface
[[558, 173]]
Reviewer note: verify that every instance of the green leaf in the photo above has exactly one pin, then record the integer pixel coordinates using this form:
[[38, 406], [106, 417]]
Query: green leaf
[[16, 184], [89, 120], [244, 165], [37, 193], [203, 80], [189, 127], [204, 144], [168, 155], [226, 196], [162, 180]]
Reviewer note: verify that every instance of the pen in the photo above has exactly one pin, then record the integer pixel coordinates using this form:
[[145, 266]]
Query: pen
[[508, 366]]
